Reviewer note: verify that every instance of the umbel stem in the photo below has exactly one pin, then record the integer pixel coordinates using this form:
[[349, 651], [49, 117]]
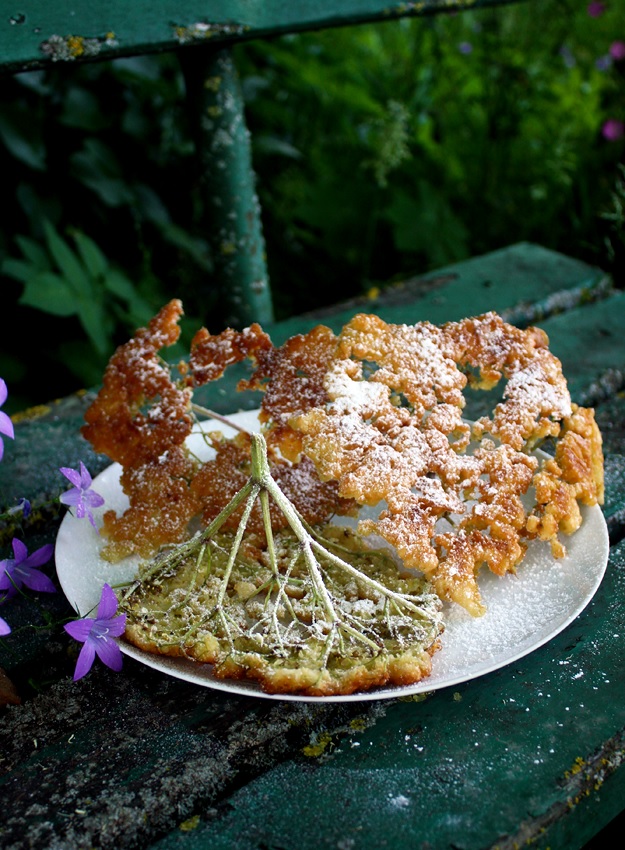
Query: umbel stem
[[330, 621]]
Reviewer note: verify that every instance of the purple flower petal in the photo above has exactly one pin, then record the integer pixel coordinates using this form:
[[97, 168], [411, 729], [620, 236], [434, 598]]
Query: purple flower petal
[[71, 474], [70, 497], [93, 499], [19, 550], [21, 570], [613, 129], [39, 556], [117, 625], [85, 477], [22, 507], [36, 580], [6, 579], [6, 425], [98, 634], [85, 660], [108, 603], [79, 629], [109, 653], [81, 496], [5, 628]]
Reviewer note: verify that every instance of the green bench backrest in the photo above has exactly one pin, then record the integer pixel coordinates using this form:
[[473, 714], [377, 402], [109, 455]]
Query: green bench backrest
[[36, 34]]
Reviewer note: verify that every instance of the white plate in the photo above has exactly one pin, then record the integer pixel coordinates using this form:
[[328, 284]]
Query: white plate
[[524, 611]]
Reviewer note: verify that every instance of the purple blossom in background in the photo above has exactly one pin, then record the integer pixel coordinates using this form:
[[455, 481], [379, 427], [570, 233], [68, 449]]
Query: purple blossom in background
[[97, 635], [465, 47], [603, 62], [81, 496], [6, 426], [22, 570], [22, 507], [617, 50], [613, 130], [5, 628], [595, 10]]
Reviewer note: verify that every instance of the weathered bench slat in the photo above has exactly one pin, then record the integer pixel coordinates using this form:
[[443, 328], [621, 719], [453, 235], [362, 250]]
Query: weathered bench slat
[[516, 758], [526, 282], [142, 760], [35, 33]]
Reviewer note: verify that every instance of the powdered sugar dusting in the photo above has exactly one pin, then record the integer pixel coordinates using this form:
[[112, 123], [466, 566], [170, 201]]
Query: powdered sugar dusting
[[524, 610]]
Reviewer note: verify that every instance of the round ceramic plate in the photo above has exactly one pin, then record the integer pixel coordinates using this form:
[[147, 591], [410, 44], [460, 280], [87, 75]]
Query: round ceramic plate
[[524, 611]]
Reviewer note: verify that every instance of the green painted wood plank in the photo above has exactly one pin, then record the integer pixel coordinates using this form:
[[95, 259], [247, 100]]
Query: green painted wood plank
[[523, 282], [589, 341], [50, 437], [519, 757], [532, 753], [115, 761], [35, 33]]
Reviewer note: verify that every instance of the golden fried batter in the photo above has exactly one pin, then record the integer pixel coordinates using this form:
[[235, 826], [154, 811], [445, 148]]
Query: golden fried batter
[[370, 418], [255, 622], [142, 417], [139, 411], [292, 380], [392, 433]]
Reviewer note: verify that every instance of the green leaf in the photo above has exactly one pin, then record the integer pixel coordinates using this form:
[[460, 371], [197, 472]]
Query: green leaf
[[150, 205], [83, 110], [17, 269], [90, 312], [68, 264], [50, 293], [138, 308], [34, 252], [269, 143], [22, 136], [118, 284], [195, 247], [81, 360], [92, 257], [97, 167]]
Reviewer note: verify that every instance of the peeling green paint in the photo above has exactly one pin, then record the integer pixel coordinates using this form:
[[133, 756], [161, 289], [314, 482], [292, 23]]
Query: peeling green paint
[[68, 48], [203, 30]]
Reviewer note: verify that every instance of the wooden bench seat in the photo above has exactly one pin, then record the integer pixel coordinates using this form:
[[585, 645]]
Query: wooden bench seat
[[532, 752]]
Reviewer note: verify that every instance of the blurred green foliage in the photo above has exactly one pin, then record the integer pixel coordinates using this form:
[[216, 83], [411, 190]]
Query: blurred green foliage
[[381, 151]]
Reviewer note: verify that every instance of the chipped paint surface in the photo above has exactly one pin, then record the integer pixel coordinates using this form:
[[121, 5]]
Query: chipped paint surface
[[68, 48], [141, 759], [203, 30]]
